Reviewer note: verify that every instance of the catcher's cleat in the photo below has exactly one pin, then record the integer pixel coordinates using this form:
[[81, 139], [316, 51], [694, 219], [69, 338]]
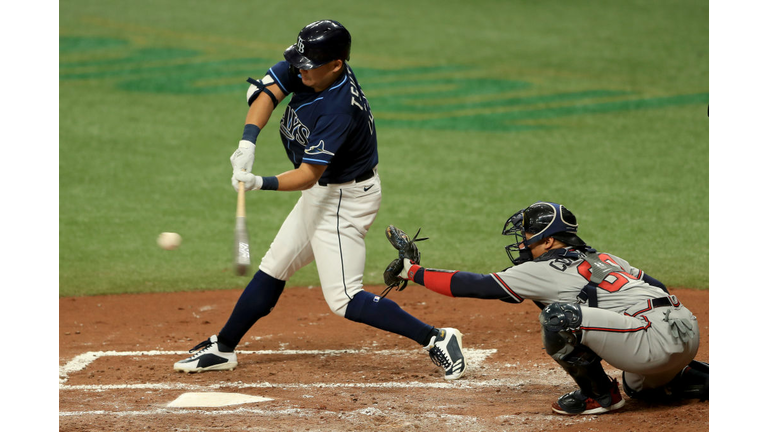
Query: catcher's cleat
[[575, 403], [213, 356], [445, 350], [691, 383]]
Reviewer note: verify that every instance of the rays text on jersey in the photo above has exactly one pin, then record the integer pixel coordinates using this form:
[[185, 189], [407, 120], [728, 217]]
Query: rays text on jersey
[[292, 128]]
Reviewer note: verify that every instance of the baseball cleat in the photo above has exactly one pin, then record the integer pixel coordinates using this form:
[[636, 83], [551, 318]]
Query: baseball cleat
[[209, 358], [575, 403], [445, 350]]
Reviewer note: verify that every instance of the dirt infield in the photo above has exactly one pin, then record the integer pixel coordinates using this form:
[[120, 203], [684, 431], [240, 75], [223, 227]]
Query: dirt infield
[[324, 373]]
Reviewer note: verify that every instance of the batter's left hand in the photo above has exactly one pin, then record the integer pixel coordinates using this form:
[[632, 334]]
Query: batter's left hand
[[242, 158], [250, 181]]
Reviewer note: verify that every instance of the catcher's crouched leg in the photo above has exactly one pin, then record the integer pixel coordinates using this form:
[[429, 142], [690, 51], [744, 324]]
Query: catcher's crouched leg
[[560, 323], [691, 383]]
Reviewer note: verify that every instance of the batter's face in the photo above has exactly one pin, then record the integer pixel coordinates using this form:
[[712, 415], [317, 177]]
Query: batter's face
[[320, 78]]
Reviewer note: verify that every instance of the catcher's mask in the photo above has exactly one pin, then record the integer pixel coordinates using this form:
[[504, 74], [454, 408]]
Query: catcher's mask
[[541, 220], [319, 43]]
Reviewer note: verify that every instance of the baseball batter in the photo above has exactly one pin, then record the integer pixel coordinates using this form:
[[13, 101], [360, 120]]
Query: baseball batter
[[329, 136], [595, 306]]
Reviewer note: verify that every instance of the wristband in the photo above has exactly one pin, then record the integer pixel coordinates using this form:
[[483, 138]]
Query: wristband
[[270, 183], [251, 132]]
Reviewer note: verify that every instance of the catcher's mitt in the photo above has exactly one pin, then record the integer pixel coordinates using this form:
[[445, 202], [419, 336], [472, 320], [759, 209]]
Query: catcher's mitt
[[406, 250]]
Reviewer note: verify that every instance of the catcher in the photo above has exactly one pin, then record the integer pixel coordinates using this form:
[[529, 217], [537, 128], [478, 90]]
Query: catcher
[[595, 306]]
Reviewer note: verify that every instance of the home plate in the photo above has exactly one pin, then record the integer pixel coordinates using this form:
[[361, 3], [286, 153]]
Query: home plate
[[211, 399]]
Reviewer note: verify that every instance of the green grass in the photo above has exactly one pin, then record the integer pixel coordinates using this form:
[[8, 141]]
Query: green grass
[[481, 108]]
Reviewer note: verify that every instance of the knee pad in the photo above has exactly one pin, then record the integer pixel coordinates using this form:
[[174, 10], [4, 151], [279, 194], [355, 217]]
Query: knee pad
[[558, 324], [561, 316]]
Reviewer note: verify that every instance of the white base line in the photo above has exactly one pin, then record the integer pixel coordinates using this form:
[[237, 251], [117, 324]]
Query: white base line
[[161, 411], [474, 358], [241, 385]]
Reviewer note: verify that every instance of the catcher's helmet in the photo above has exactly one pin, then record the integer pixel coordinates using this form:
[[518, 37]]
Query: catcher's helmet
[[542, 220], [319, 43]]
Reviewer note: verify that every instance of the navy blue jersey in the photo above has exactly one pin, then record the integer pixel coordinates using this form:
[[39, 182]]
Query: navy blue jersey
[[334, 127]]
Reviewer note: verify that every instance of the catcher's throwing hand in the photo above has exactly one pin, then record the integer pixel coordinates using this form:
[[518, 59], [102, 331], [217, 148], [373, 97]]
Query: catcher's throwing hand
[[396, 273]]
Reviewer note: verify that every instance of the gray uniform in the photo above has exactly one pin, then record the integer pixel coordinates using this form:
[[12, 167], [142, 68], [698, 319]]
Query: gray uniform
[[632, 327]]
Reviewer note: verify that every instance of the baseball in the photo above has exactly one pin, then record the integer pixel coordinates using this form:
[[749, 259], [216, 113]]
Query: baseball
[[169, 240]]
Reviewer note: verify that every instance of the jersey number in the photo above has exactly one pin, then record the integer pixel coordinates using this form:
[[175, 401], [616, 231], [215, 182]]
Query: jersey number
[[614, 281]]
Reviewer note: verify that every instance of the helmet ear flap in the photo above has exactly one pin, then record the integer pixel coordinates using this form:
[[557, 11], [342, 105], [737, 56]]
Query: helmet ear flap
[[568, 217]]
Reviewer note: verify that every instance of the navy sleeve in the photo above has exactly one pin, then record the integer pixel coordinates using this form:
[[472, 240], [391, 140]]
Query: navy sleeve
[[482, 286], [281, 73], [654, 282]]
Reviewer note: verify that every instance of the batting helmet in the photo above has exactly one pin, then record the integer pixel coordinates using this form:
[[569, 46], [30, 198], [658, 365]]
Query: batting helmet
[[319, 43], [541, 220]]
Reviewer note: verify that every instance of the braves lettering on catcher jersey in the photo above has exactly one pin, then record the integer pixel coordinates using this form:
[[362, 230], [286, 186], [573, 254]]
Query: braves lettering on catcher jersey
[[560, 276], [334, 127]]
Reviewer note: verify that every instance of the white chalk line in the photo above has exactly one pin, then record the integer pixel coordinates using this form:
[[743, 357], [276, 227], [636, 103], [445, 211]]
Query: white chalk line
[[459, 384], [161, 411], [82, 361], [473, 357], [516, 376]]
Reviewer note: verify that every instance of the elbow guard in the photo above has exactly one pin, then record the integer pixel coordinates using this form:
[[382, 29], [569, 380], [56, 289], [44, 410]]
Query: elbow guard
[[259, 86]]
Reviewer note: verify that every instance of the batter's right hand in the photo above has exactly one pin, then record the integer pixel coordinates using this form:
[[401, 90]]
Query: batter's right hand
[[250, 181], [242, 158]]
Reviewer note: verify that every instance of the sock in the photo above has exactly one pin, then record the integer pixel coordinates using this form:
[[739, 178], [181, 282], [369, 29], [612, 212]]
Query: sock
[[257, 301], [435, 332], [384, 314]]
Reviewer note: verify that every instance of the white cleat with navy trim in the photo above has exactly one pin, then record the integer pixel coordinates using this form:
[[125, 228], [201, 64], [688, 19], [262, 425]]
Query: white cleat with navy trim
[[445, 350], [209, 358]]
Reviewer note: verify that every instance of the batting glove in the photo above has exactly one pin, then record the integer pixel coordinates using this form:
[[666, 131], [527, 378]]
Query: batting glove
[[242, 158], [250, 181]]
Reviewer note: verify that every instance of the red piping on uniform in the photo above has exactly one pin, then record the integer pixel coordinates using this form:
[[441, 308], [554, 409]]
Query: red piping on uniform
[[507, 288], [650, 307], [611, 330]]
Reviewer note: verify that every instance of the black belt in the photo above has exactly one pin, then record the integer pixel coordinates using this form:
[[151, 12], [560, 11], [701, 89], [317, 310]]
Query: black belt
[[661, 302], [362, 177]]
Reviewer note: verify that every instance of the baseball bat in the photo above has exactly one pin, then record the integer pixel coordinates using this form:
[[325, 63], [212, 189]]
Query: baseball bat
[[242, 244]]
